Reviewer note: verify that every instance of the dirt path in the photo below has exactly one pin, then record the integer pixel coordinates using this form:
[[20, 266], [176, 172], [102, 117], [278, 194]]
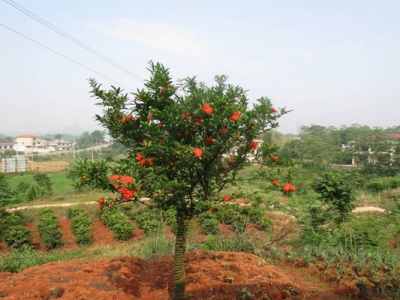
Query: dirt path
[[356, 210]]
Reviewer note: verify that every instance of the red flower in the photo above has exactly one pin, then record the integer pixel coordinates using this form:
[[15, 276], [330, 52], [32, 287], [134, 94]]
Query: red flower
[[209, 140], [155, 195], [275, 183], [288, 188], [163, 90], [150, 161], [139, 99], [207, 109], [149, 118], [161, 142], [124, 119], [186, 116], [276, 158], [198, 152], [160, 125], [230, 162], [198, 121], [114, 177], [235, 116], [223, 130], [101, 201], [139, 157], [126, 179], [253, 145], [227, 198], [278, 296], [129, 117], [273, 109], [212, 209], [127, 193], [142, 161]]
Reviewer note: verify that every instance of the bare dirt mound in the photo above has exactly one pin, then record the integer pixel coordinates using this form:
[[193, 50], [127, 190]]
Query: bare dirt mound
[[209, 275]]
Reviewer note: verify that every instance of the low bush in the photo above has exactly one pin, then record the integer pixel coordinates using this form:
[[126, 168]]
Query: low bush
[[148, 219], [73, 211], [81, 225], [120, 225], [209, 223], [49, 231], [18, 236]]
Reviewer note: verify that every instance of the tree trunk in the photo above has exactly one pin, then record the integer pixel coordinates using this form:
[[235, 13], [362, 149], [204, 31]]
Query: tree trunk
[[180, 248]]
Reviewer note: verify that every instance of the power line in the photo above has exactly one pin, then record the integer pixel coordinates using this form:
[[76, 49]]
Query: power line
[[70, 59], [72, 39]]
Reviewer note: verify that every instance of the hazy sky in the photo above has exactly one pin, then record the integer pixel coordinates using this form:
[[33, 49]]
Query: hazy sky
[[331, 62]]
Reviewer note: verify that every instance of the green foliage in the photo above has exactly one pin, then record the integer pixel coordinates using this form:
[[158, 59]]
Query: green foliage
[[44, 185], [6, 194], [337, 192], [49, 231], [73, 211], [26, 257], [209, 222], [121, 227], [149, 220], [18, 236], [81, 225], [383, 183]]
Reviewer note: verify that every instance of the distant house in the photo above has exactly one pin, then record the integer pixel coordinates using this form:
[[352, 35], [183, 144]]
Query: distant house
[[5, 145], [30, 142], [60, 145], [366, 153]]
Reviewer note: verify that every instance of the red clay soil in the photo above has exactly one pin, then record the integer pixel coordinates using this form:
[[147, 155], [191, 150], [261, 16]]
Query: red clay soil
[[35, 234], [209, 275], [68, 237], [102, 234]]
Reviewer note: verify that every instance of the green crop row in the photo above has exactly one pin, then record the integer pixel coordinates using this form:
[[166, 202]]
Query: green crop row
[[81, 225], [120, 225], [49, 231], [13, 232]]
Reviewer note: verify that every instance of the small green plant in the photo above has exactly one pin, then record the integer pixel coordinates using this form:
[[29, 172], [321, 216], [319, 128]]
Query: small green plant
[[246, 294]]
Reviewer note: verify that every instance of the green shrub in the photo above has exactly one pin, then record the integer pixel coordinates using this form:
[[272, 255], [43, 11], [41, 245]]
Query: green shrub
[[81, 225], [18, 236], [209, 223], [148, 220], [376, 185], [264, 223], [123, 230], [121, 227], [49, 231], [73, 211], [8, 220]]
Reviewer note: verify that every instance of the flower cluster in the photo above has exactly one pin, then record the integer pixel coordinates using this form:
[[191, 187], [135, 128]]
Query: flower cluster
[[288, 188], [235, 116], [125, 186], [207, 109]]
